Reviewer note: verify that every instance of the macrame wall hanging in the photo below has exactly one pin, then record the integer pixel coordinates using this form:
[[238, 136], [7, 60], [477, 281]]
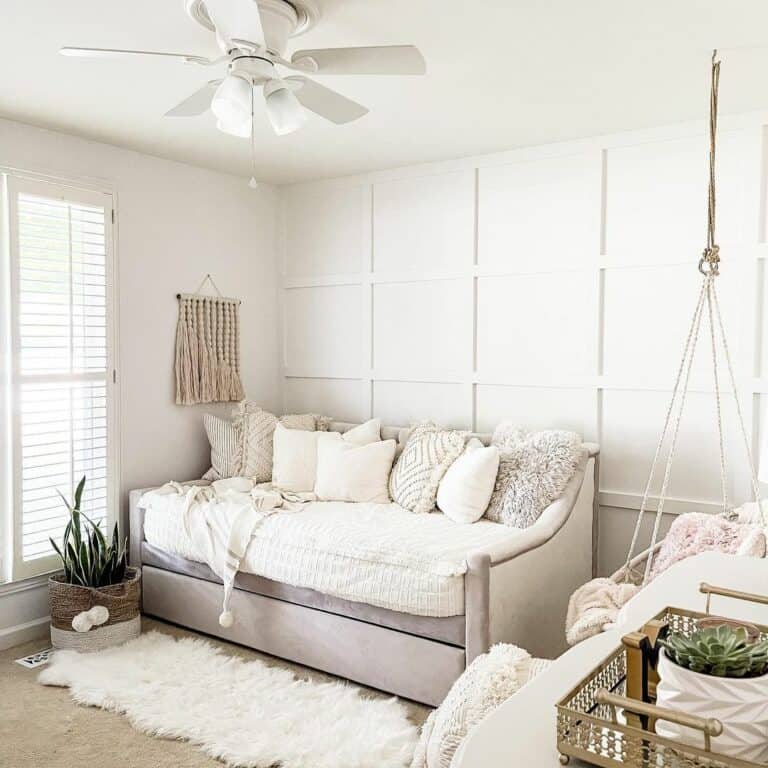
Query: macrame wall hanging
[[207, 348]]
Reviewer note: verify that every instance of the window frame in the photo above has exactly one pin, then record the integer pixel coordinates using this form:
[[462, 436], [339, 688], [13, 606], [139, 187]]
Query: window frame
[[73, 191]]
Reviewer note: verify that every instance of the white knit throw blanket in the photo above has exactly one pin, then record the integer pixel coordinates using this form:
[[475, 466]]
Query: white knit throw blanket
[[221, 519], [594, 607]]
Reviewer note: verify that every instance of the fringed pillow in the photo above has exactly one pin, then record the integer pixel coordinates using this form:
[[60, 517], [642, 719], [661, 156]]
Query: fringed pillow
[[242, 446], [485, 684], [425, 459], [534, 469]]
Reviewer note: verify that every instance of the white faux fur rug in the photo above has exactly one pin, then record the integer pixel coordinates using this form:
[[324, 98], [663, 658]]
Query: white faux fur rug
[[241, 712]]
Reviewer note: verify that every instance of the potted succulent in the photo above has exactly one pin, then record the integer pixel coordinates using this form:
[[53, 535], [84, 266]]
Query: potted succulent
[[95, 602], [717, 672]]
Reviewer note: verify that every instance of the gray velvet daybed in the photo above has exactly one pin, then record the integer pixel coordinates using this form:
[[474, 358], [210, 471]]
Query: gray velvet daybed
[[516, 592]]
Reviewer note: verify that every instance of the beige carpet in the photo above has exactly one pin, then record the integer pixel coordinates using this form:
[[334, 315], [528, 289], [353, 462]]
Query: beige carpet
[[41, 727]]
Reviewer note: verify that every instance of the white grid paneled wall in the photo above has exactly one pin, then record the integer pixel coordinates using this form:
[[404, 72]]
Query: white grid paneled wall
[[550, 285]]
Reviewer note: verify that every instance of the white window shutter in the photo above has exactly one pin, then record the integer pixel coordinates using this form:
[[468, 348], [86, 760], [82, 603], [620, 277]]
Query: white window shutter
[[61, 284]]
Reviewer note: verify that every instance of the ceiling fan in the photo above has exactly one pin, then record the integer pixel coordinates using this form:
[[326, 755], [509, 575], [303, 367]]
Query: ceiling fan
[[253, 37]]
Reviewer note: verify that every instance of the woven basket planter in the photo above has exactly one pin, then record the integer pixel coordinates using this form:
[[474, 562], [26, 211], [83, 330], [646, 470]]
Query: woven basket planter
[[121, 600]]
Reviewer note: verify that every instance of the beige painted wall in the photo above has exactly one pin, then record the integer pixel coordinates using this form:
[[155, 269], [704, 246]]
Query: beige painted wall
[[175, 223]]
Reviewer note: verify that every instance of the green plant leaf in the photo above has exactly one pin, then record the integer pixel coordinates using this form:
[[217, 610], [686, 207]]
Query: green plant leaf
[[79, 492]]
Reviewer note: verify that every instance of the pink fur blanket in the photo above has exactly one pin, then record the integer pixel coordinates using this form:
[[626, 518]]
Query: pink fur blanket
[[697, 532], [595, 606]]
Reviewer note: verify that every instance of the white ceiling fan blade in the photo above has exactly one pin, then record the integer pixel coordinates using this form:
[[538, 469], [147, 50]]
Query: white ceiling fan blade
[[373, 60], [116, 53], [197, 103], [236, 20], [325, 102]]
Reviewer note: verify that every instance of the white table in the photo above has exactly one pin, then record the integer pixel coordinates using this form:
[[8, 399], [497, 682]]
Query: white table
[[521, 732]]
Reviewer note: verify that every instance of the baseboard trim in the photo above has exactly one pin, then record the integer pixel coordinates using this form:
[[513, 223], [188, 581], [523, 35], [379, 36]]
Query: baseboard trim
[[23, 633]]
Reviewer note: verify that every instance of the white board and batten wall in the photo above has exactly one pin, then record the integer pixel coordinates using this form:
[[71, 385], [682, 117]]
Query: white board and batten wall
[[549, 285]]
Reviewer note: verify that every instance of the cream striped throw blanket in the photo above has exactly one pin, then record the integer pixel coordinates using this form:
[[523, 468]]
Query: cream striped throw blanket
[[220, 520]]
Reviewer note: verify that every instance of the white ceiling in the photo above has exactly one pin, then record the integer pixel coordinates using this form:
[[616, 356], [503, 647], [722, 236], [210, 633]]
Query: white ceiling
[[501, 74]]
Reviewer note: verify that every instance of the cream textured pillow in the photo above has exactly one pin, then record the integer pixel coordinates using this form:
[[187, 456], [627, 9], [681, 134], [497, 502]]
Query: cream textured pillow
[[534, 469], [466, 488], [294, 462], [362, 434], [424, 460], [485, 684], [349, 472], [242, 446], [256, 429], [224, 437], [305, 421]]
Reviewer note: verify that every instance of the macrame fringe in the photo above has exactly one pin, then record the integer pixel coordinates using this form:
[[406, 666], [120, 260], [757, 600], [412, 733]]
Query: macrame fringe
[[207, 367]]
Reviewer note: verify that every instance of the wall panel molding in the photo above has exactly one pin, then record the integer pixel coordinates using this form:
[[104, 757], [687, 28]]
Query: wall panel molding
[[548, 284]]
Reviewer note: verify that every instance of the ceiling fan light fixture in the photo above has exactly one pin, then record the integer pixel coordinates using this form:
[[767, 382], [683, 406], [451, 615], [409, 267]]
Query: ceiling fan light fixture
[[232, 102], [283, 108], [241, 130]]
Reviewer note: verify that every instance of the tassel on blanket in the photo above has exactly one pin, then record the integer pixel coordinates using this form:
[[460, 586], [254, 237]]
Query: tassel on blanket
[[226, 617], [220, 520]]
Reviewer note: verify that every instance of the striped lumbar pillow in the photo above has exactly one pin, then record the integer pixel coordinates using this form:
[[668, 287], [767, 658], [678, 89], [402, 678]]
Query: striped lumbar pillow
[[226, 452]]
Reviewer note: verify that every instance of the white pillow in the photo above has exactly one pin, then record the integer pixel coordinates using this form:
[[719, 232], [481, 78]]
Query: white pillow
[[349, 472], [365, 433], [294, 458], [467, 486]]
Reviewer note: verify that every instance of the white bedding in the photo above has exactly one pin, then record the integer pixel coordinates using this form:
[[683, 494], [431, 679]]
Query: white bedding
[[378, 554]]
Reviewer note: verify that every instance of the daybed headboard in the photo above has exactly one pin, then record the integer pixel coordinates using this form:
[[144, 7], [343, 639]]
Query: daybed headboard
[[397, 433], [592, 449]]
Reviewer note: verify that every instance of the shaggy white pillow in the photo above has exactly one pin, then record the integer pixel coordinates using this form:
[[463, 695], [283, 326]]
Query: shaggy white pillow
[[485, 684], [425, 459], [534, 469], [294, 460], [349, 472], [466, 488]]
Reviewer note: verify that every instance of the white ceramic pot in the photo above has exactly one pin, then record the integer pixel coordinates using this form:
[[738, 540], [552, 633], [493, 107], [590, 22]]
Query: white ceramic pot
[[740, 704]]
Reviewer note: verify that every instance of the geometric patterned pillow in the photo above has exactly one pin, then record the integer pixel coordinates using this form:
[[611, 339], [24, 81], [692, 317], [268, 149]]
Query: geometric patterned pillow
[[425, 459], [257, 428], [242, 446]]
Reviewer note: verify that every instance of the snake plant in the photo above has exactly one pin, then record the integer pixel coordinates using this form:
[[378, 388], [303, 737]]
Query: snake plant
[[89, 560], [720, 651]]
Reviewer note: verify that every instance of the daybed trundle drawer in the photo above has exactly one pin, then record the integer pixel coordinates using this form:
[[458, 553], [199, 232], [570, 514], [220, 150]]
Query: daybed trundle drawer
[[376, 656]]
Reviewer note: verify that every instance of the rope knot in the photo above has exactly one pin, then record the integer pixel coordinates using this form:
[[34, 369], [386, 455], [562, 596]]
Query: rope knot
[[711, 257]]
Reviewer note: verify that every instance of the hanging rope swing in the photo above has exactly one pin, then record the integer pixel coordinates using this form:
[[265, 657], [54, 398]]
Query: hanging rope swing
[[706, 304], [595, 606]]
